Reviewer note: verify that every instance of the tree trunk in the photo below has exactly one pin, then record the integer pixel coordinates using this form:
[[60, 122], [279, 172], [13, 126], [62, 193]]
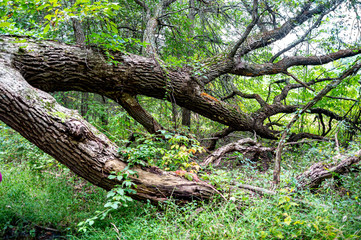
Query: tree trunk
[[186, 117], [84, 104], [65, 135], [51, 66]]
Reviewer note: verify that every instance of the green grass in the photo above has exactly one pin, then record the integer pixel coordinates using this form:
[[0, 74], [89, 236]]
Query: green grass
[[29, 198], [33, 198], [36, 191]]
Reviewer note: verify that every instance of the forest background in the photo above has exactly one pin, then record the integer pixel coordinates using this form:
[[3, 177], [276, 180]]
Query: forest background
[[227, 119]]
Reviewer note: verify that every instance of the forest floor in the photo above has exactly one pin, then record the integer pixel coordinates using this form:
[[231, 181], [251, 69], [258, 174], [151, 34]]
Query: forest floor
[[40, 199]]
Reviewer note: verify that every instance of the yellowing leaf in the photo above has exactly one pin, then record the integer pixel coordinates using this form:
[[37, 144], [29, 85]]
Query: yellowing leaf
[[288, 220]]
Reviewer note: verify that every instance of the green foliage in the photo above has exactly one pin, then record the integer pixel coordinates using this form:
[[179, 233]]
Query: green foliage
[[30, 199], [168, 151], [14, 148], [116, 198]]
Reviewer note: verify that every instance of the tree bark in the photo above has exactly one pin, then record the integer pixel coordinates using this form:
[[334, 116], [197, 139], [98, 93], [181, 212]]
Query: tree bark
[[52, 66], [65, 135], [186, 117], [319, 172], [84, 104], [238, 146]]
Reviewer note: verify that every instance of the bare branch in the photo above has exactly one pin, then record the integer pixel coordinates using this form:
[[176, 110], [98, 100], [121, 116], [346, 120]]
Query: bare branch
[[300, 82], [301, 39], [135, 110], [318, 172], [256, 189], [254, 70], [296, 137], [170, 13], [235, 146], [249, 28], [279, 33], [342, 98], [257, 97], [142, 4]]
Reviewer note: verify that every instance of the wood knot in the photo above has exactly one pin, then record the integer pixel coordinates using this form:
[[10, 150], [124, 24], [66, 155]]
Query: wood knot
[[77, 130]]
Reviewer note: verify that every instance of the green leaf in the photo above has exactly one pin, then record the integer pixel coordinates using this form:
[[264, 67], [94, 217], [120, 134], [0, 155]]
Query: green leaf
[[47, 27], [110, 194], [43, 6], [4, 24], [113, 27], [48, 17], [112, 176]]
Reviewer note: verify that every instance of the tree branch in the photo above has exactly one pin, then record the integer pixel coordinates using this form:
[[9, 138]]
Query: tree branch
[[257, 97], [254, 70], [300, 82], [215, 137], [353, 70], [135, 110], [235, 146], [279, 33], [317, 173], [142, 4], [249, 28], [301, 39]]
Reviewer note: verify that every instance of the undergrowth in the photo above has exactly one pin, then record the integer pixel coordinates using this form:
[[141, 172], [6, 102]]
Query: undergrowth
[[37, 192]]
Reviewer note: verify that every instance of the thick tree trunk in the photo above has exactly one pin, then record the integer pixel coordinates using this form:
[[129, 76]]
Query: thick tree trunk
[[65, 135], [186, 117], [51, 66]]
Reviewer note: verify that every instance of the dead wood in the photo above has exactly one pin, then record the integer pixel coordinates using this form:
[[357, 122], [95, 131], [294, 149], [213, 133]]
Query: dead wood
[[238, 146], [320, 171]]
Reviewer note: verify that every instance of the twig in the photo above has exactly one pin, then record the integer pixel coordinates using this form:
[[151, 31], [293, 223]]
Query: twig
[[257, 189]]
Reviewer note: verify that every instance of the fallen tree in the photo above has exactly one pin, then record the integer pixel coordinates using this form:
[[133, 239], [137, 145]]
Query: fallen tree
[[50, 66], [65, 135], [318, 172]]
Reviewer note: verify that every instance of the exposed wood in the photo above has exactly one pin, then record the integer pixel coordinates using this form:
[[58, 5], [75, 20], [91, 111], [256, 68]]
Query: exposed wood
[[238, 146], [317, 173], [256, 189]]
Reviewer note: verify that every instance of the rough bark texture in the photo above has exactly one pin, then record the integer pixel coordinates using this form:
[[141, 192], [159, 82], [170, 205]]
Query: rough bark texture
[[318, 172], [238, 146], [52, 66], [65, 135]]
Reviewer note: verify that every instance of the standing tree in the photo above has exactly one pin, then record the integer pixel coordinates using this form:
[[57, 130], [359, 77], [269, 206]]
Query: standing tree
[[221, 59]]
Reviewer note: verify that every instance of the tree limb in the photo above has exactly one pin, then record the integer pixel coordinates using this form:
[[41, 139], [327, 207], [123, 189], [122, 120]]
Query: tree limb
[[317, 173], [254, 70], [353, 70], [249, 28], [235, 146], [65, 135]]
